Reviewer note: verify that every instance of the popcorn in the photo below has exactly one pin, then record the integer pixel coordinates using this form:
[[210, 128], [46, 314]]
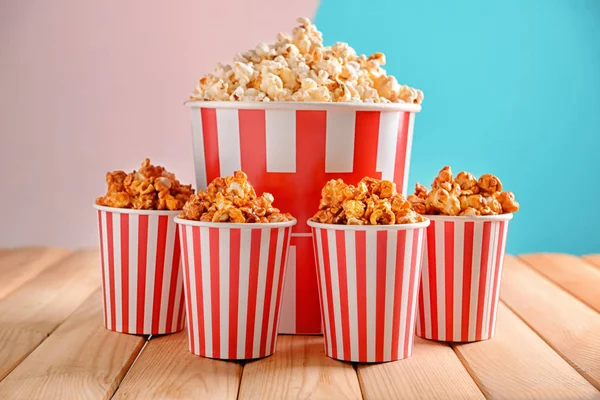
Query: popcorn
[[370, 202], [149, 188], [300, 68], [463, 195], [232, 199]]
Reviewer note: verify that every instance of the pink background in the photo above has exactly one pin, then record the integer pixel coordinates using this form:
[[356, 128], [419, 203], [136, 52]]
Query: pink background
[[88, 87]]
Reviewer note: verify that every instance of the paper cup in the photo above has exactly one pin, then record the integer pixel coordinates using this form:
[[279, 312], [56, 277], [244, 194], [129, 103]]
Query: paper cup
[[141, 278], [368, 279], [291, 150], [460, 284], [233, 277]]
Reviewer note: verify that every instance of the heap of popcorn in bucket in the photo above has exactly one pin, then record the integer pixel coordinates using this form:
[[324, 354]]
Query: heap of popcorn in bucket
[[363, 232]]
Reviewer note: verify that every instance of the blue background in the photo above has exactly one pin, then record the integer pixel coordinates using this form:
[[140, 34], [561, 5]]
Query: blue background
[[512, 87]]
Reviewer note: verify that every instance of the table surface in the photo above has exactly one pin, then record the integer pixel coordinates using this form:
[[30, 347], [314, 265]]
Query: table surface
[[53, 344]]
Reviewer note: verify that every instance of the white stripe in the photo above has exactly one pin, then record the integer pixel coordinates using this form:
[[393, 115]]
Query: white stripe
[[281, 140], [404, 299], [150, 271], [390, 280], [339, 143], [107, 311], [352, 293], [324, 290], [475, 269], [118, 275], [287, 318], [426, 330], [263, 266], [168, 270], [415, 291], [133, 270], [186, 294], [335, 292], [387, 144], [228, 131], [206, 289], [245, 237], [459, 246], [278, 270], [301, 234], [502, 251], [193, 289], [199, 159], [494, 232], [411, 127], [440, 280], [371, 284], [224, 290]]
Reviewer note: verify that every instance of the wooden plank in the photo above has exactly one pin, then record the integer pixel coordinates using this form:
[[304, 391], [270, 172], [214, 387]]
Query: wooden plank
[[80, 360], [20, 265], [517, 364], [433, 372], [299, 369], [571, 273], [593, 259], [32, 312], [167, 370], [569, 326]]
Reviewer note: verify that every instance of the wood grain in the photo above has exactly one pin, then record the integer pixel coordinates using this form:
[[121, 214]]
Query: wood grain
[[517, 364], [571, 273], [80, 360], [299, 369], [167, 370], [569, 326], [18, 266], [593, 259], [32, 312], [433, 372]]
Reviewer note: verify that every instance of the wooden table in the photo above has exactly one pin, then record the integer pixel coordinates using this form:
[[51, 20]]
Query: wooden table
[[53, 344]]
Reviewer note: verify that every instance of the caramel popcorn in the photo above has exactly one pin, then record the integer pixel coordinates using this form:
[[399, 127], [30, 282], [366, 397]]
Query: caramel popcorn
[[299, 68], [232, 199], [463, 195], [149, 188], [370, 202]]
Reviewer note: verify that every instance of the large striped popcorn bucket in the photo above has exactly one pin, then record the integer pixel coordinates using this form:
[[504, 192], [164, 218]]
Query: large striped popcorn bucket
[[291, 150], [233, 277], [368, 278], [141, 271], [460, 285]]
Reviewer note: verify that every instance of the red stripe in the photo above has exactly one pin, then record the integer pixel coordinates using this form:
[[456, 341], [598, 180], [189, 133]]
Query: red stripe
[[197, 266], [188, 291], [421, 311], [268, 290], [411, 292], [322, 290], [328, 286], [215, 291], [467, 277], [253, 145], [125, 270], [382, 237], [400, 265], [366, 136], [449, 278], [431, 253], [495, 283], [163, 221], [111, 269], [210, 132], [252, 289], [401, 150], [284, 260], [104, 295], [182, 311], [361, 287], [343, 284], [141, 270], [234, 289], [175, 267], [485, 247]]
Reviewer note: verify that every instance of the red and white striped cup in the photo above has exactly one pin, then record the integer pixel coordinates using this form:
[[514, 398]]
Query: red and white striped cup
[[233, 277], [141, 278], [368, 279], [291, 150], [460, 284]]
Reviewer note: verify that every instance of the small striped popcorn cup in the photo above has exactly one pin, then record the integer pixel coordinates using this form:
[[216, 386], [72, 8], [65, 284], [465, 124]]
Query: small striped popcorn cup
[[233, 281], [141, 271], [368, 279], [460, 284]]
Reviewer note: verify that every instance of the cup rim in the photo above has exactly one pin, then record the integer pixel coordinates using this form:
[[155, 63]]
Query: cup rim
[[135, 211], [463, 218], [367, 228], [234, 225], [308, 105]]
